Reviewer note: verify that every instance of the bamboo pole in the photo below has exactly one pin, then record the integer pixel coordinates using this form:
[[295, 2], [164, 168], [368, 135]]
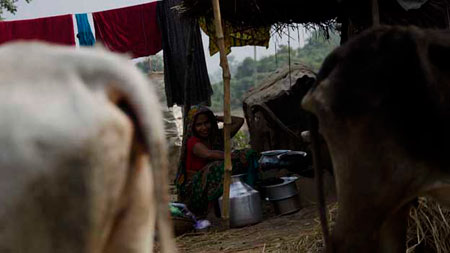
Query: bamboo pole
[[226, 111]]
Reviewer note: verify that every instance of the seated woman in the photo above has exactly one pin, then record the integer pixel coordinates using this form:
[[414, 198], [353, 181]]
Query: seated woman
[[201, 169]]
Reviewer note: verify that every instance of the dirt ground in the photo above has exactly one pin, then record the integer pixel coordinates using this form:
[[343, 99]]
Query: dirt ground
[[428, 231], [297, 232]]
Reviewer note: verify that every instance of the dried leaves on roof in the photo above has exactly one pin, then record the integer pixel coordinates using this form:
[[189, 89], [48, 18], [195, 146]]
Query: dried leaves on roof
[[256, 13]]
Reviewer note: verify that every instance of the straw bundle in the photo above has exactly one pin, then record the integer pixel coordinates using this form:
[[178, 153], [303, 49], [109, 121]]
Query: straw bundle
[[429, 227]]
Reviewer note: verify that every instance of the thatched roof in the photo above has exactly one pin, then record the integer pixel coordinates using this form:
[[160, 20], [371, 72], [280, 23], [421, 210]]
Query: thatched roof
[[432, 14], [267, 12], [279, 84]]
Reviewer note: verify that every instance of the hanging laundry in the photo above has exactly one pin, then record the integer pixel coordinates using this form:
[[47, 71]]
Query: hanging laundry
[[235, 36], [176, 31], [131, 29], [84, 35], [58, 29]]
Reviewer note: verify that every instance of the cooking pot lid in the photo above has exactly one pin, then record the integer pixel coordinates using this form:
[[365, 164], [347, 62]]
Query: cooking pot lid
[[295, 153], [275, 152]]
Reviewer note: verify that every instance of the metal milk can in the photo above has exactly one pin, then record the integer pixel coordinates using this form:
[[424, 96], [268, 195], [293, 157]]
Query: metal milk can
[[245, 203]]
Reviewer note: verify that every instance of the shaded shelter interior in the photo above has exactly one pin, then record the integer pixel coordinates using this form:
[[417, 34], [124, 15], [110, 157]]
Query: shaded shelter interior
[[273, 112]]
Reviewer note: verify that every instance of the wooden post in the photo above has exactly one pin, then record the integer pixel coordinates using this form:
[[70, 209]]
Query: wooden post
[[226, 111]]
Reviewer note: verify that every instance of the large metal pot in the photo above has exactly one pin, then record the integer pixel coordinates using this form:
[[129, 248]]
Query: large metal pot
[[282, 188], [287, 206], [245, 203], [283, 195]]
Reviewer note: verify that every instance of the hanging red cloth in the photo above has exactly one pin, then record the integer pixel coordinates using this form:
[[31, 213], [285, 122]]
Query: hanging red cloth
[[132, 29], [58, 29]]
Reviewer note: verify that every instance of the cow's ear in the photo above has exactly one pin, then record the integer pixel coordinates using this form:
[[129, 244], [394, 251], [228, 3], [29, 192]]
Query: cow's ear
[[134, 96]]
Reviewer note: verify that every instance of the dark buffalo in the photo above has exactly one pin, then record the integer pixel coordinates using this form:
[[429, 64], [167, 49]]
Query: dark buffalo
[[383, 105]]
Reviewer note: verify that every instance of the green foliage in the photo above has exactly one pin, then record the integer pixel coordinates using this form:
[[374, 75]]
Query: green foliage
[[241, 140], [9, 5], [245, 69], [243, 73], [317, 48], [217, 97]]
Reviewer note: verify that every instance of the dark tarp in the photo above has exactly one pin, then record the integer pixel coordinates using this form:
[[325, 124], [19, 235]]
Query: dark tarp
[[176, 32]]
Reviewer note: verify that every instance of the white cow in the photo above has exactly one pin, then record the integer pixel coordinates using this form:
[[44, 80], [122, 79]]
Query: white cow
[[79, 132]]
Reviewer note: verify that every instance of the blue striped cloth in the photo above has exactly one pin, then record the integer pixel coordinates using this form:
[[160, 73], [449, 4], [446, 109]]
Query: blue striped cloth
[[85, 36]]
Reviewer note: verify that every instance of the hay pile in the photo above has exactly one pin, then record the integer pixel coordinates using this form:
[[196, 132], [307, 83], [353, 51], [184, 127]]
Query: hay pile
[[428, 227]]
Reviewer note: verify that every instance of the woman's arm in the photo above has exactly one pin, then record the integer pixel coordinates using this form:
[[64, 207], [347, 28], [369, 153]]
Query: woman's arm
[[201, 150], [236, 124]]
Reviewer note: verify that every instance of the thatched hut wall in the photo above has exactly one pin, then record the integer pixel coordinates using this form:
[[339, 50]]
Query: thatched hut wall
[[272, 110]]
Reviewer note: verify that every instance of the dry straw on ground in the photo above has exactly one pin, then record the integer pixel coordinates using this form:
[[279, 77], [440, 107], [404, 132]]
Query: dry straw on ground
[[429, 227], [298, 232], [428, 231]]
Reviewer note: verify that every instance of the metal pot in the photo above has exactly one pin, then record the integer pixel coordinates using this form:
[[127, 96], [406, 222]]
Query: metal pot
[[283, 195], [245, 203], [295, 161], [287, 206], [271, 159], [284, 188]]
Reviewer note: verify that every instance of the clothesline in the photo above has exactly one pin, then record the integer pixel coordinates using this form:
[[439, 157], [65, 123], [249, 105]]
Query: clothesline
[[136, 30], [131, 30], [142, 30]]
